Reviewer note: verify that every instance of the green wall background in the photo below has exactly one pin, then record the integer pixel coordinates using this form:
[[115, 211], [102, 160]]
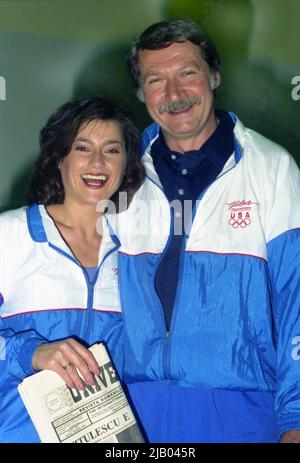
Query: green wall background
[[53, 50]]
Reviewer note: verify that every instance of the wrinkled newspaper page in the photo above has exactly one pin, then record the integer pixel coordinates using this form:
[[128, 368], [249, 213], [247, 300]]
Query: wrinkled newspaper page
[[101, 413]]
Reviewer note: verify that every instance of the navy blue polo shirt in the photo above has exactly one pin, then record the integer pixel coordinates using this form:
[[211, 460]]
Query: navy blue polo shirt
[[184, 177]]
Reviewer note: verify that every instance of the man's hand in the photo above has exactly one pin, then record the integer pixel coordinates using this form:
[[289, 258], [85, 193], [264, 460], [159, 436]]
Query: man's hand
[[65, 358], [291, 437]]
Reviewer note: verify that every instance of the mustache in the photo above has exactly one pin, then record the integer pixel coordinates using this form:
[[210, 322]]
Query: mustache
[[182, 104]]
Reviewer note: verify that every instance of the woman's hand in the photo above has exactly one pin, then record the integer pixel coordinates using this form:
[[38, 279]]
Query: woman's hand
[[291, 437], [65, 358]]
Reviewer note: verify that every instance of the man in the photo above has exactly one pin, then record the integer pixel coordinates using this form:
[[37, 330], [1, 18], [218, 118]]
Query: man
[[211, 293]]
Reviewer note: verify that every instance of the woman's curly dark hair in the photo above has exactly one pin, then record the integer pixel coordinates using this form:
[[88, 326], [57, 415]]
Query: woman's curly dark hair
[[57, 137]]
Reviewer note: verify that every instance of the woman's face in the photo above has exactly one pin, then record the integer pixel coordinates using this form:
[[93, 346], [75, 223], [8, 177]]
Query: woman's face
[[95, 166]]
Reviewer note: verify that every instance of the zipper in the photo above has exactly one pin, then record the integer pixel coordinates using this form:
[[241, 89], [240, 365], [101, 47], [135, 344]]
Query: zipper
[[165, 344], [90, 288], [90, 285], [163, 318]]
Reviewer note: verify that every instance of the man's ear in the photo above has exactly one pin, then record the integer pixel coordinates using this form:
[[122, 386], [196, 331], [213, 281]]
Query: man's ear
[[215, 80]]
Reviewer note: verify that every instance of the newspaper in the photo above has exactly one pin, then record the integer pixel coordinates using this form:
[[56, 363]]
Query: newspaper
[[99, 414]]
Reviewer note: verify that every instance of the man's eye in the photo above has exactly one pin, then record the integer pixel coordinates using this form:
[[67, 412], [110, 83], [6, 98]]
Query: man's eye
[[154, 80], [188, 72]]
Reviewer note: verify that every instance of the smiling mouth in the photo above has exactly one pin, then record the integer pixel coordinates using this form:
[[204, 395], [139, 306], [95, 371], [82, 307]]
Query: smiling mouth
[[94, 181], [180, 111]]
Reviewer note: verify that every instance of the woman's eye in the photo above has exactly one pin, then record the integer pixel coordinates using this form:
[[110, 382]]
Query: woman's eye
[[81, 148], [112, 150]]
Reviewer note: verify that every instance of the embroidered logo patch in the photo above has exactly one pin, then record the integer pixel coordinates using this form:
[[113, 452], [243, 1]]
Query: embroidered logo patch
[[240, 213]]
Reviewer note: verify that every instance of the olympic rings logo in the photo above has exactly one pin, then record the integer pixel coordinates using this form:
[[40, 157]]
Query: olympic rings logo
[[239, 222]]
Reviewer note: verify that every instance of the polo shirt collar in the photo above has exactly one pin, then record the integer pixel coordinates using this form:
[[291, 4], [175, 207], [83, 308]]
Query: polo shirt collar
[[217, 149]]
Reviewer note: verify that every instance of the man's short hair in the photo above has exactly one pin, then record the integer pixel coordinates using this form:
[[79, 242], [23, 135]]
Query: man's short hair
[[162, 34]]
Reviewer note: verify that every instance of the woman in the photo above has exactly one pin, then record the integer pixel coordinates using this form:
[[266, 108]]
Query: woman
[[58, 268]]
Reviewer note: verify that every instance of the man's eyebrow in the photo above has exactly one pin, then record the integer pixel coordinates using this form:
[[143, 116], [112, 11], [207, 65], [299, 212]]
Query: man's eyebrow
[[153, 71]]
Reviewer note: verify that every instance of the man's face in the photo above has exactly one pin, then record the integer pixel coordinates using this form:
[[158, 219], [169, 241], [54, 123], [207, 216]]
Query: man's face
[[177, 89]]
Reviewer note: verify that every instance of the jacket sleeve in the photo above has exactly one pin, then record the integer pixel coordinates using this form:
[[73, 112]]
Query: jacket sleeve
[[283, 250], [16, 348], [16, 351]]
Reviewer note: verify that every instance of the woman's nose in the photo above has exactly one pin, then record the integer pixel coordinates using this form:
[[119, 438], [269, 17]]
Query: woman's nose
[[98, 158]]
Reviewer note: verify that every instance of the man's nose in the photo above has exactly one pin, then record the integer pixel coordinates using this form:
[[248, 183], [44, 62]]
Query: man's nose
[[173, 90]]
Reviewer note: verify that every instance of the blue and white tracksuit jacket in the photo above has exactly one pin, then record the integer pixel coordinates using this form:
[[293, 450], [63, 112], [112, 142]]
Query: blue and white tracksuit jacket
[[233, 349], [45, 296]]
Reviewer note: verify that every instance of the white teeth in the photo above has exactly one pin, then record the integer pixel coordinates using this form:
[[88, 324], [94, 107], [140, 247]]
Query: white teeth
[[94, 177]]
